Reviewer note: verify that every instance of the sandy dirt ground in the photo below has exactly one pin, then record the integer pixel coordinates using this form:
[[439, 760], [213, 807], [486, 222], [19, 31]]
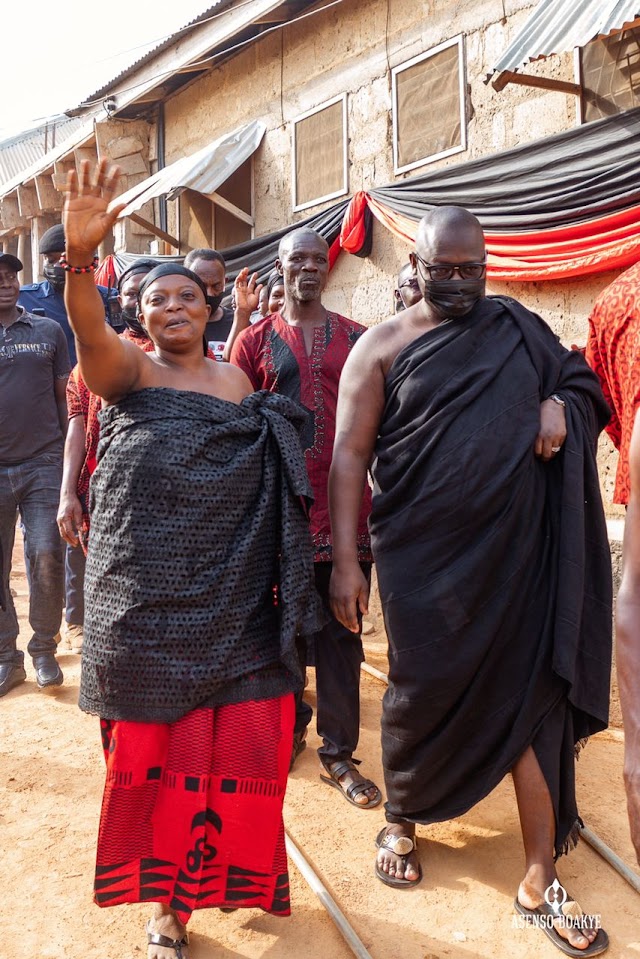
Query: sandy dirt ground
[[51, 776]]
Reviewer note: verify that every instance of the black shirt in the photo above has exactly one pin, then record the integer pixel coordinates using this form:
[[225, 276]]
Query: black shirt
[[216, 333], [33, 355]]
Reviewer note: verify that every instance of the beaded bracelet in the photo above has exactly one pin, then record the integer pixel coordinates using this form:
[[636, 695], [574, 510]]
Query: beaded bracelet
[[78, 269]]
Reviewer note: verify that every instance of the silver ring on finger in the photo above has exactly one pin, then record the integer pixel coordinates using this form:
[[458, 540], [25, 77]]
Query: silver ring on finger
[[556, 449]]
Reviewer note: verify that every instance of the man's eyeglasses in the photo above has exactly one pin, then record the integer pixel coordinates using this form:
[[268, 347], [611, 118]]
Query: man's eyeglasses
[[445, 271]]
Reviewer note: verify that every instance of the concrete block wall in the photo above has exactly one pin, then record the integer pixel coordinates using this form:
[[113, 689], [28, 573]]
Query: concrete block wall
[[353, 47], [127, 143]]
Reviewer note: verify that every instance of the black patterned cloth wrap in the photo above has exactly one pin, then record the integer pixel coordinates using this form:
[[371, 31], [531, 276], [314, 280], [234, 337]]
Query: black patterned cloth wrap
[[198, 523]]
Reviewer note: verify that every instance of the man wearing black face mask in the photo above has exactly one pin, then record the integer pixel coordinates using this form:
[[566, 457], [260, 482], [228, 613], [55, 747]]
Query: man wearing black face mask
[[128, 285], [482, 431], [48, 295], [209, 265]]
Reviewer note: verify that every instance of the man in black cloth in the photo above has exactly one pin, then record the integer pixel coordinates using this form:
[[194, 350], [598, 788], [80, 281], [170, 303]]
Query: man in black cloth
[[493, 563]]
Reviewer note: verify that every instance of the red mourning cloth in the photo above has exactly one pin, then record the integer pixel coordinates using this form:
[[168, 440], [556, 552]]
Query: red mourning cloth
[[106, 273], [353, 234], [613, 351], [591, 246], [192, 810]]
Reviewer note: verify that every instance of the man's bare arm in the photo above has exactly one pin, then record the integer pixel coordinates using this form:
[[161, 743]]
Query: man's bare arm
[[628, 641], [360, 406], [70, 509]]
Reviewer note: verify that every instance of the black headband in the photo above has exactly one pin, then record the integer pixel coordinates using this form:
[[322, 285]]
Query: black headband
[[139, 266], [170, 269]]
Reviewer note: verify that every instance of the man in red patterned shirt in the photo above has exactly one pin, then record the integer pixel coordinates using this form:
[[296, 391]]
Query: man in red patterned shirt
[[300, 352], [613, 352]]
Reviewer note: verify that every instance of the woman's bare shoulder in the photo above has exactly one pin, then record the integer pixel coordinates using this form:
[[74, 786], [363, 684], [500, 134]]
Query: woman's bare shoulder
[[232, 380]]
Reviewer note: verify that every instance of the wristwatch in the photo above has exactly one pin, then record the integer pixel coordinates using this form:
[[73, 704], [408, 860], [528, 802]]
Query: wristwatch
[[557, 399]]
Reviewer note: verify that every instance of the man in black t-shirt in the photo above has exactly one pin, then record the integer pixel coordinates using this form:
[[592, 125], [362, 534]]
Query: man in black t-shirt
[[34, 368]]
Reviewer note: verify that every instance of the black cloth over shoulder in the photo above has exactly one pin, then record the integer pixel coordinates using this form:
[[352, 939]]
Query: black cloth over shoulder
[[197, 517], [494, 568]]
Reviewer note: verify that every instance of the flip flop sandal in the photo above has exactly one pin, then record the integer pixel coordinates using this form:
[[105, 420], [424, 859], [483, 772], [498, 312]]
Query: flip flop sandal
[[155, 939], [338, 769], [571, 910], [398, 846]]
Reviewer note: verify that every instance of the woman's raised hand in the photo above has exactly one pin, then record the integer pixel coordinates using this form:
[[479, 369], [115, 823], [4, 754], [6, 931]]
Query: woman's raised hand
[[89, 213]]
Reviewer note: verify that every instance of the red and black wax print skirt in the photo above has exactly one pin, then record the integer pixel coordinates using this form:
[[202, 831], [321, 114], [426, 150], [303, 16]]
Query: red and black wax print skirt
[[192, 810]]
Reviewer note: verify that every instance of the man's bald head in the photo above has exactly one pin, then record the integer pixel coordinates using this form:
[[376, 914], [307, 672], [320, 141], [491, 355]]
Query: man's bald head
[[303, 235], [407, 293], [450, 261], [446, 228]]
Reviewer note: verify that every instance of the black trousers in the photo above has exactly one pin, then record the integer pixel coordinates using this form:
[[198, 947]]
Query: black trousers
[[337, 653]]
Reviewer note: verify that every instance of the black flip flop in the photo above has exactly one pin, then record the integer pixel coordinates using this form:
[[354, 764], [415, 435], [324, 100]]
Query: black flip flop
[[599, 944], [385, 840]]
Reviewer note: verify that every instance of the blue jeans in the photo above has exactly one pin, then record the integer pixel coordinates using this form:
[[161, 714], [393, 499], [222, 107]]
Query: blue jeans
[[32, 489]]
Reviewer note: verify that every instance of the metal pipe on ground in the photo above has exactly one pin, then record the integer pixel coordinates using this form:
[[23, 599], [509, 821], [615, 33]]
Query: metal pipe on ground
[[345, 928], [588, 835], [611, 857]]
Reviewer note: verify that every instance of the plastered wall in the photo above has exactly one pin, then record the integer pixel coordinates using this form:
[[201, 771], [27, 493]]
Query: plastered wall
[[353, 47]]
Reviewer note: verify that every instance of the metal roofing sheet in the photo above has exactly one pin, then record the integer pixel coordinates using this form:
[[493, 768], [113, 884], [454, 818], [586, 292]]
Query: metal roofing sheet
[[79, 136], [203, 171], [19, 152], [154, 51], [557, 26]]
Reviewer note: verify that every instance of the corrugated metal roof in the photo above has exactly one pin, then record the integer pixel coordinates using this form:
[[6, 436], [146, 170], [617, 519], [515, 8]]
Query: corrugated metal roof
[[557, 26], [154, 51], [80, 135], [19, 152], [203, 171]]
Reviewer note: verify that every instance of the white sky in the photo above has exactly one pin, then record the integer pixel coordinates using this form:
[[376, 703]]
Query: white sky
[[57, 54]]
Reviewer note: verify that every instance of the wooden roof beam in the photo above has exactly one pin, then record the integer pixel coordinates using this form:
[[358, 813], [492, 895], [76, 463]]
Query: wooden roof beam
[[542, 83]]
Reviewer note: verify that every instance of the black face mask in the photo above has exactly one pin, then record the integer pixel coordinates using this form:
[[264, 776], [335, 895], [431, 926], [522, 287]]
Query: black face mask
[[214, 302], [130, 317], [454, 298], [55, 275]]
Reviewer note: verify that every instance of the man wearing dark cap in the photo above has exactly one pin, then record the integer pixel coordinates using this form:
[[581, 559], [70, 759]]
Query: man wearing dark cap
[[48, 295], [34, 367]]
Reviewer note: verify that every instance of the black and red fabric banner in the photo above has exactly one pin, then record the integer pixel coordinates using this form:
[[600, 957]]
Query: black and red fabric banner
[[563, 206]]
